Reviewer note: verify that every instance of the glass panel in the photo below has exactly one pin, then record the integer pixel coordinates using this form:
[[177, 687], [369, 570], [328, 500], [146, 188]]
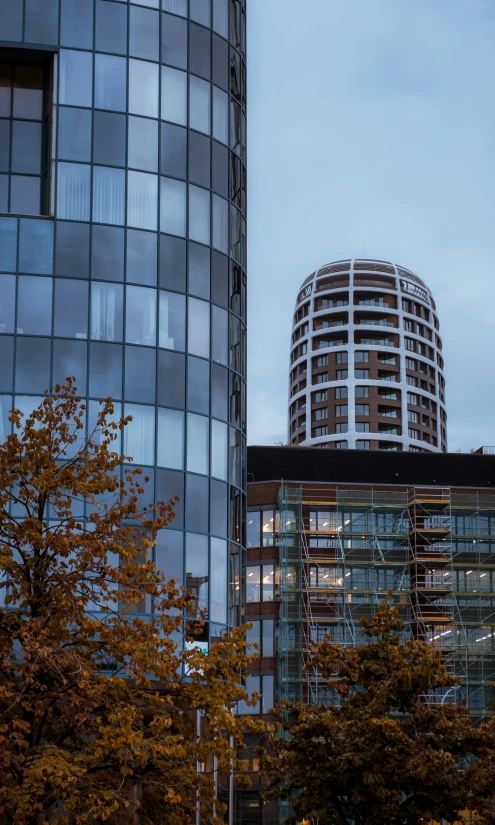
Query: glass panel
[[174, 96], [172, 321], [267, 699], [109, 139], [142, 200], [218, 508], [199, 159], [220, 279], [28, 92], [41, 21], [140, 325], [111, 27], [170, 483], [72, 247], [253, 636], [25, 195], [6, 363], [253, 526], [220, 169], [221, 17], [173, 206], [268, 582], [171, 379], [73, 189], [173, 263], [106, 311], [220, 115], [199, 214], [197, 444], [199, 328], [105, 374], [197, 574], [219, 450], [268, 637], [175, 6], [108, 253], [199, 104], [220, 61], [76, 27], [8, 243], [253, 591], [76, 78], [71, 309], [5, 425], [4, 193], [7, 303], [198, 385], [218, 562], [110, 82], [170, 449], [169, 554], [219, 391], [252, 686], [142, 257], [144, 32], [11, 16], [197, 505], [220, 224], [143, 88], [36, 247], [219, 335], [74, 134], [70, 359], [143, 144], [173, 150], [26, 147], [5, 146], [32, 365], [200, 11], [139, 434], [199, 51], [140, 374], [108, 195], [199, 271]]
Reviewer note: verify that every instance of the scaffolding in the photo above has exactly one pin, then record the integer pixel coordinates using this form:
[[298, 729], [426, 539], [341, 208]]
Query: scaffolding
[[342, 552]]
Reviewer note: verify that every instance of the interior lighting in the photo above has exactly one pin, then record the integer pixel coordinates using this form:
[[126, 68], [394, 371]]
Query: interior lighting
[[483, 574]]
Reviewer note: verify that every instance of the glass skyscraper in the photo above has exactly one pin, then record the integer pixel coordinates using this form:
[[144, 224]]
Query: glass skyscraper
[[123, 249]]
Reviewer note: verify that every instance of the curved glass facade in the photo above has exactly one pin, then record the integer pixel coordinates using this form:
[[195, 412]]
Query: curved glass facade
[[123, 249]]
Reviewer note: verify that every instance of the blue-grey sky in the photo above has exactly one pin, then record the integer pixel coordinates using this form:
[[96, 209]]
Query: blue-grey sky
[[371, 129]]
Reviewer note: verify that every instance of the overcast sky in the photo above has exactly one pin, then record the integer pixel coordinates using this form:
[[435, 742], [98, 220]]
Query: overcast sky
[[371, 131]]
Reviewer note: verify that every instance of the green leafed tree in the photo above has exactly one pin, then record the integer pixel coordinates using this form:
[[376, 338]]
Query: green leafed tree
[[380, 754], [104, 717]]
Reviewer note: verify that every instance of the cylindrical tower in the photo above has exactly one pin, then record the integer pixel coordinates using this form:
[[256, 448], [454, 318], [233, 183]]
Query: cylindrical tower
[[366, 365], [123, 249]]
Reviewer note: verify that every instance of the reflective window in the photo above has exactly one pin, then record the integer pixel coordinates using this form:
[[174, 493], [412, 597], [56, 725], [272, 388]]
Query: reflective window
[[72, 250], [140, 325], [173, 263], [199, 159], [71, 309], [26, 147], [142, 200], [25, 195], [219, 450], [41, 21], [6, 363], [109, 138], [219, 335], [111, 27], [219, 392], [220, 115], [197, 506], [218, 580], [197, 572], [108, 195], [140, 373], [173, 150], [76, 27], [170, 483], [199, 270], [253, 528], [174, 41], [175, 6], [70, 358], [34, 306], [74, 184], [143, 144], [220, 169], [110, 82], [174, 96], [199, 328], [170, 447], [28, 93], [11, 20], [141, 257], [32, 371], [220, 224], [200, 51], [74, 134], [218, 508], [106, 311], [220, 68], [36, 247], [221, 17], [139, 434], [169, 553], [199, 104], [172, 206], [172, 321], [220, 279], [198, 385], [197, 444], [7, 303], [105, 374], [200, 11], [143, 88], [107, 260], [171, 379], [8, 244], [76, 78], [144, 33], [199, 214]]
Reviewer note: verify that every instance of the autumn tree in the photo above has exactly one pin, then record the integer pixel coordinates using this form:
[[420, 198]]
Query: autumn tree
[[104, 715], [381, 753]]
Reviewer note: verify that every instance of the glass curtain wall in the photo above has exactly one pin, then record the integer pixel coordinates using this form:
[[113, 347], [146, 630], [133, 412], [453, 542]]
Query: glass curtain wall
[[123, 249]]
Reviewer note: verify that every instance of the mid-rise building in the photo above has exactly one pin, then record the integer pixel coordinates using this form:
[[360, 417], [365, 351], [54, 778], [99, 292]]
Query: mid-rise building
[[366, 364], [123, 250], [329, 538]]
